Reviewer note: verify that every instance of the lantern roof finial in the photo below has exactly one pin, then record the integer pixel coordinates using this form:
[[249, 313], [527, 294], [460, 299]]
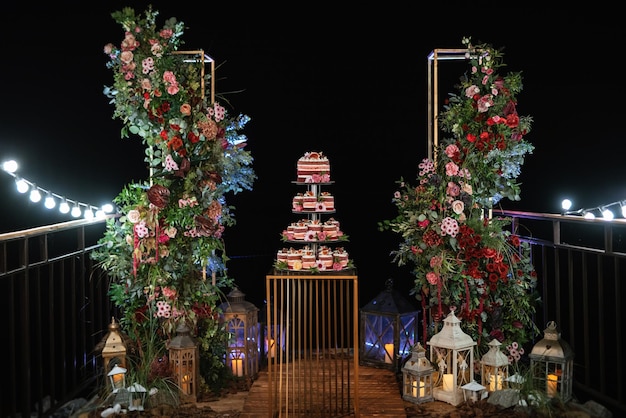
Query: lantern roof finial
[[451, 334], [552, 346], [495, 357]]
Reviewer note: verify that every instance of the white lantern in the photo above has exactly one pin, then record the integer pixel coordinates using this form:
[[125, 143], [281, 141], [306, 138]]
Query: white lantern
[[136, 397], [452, 352], [473, 391], [417, 377], [552, 364], [117, 377], [494, 368]]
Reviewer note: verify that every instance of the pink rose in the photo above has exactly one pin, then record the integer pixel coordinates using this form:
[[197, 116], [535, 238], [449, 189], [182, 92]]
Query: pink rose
[[453, 189], [452, 151], [169, 77], [452, 169], [126, 57], [185, 109], [458, 207], [432, 277], [172, 89]]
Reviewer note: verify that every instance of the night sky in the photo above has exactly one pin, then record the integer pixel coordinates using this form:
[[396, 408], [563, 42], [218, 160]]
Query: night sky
[[352, 84]]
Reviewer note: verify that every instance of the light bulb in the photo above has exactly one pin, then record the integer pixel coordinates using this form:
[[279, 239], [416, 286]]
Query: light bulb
[[35, 194], [88, 213], [589, 215], [566, 204], [64, 207], [76, 212], [22, 185], [9, 166], [49, 203], [107, 208], [607, 215]]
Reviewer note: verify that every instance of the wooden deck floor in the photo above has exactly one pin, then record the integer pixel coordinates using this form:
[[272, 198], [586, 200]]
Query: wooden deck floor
[[378, 396]]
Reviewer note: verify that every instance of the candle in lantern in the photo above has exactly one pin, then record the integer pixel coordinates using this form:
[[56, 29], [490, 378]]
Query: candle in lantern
[[185, 384], [495, 382], [271, 344], [236, 365], [389, 353], [118, 381], [552, 385], [448, 382], [421, 385]]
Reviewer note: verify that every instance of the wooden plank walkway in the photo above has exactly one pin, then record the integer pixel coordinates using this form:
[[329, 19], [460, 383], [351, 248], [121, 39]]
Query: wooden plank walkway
[[379, 396]]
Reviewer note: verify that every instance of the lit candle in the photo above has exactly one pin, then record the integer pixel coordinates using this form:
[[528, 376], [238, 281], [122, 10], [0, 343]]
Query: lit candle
[[448, 382], [236, 365], [186, 384], [552, 385], [272, 348], [421, 385], [495, 382], [118, 381], [389, 353]]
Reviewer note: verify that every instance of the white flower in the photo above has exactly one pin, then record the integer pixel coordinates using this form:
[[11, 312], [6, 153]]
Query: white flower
[[133, 216]]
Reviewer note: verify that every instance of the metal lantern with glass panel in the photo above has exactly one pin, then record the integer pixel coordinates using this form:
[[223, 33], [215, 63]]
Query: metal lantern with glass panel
[[117, 378], [473, 391], [389, 328], [552, 364], [452, 353], [242, 322], [184, 362], [272, 326], [417, 377], [136, 397], [494, 368]]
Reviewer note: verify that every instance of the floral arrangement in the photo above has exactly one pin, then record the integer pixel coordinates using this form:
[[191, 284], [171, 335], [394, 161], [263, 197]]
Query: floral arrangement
[[462, 256], [488, 135], [169, 235]]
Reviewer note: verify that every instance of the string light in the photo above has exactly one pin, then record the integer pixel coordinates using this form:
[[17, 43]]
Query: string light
[[76, 212], [590, 213], [23, 186], [64, 207], [35, 194], [49, 203]]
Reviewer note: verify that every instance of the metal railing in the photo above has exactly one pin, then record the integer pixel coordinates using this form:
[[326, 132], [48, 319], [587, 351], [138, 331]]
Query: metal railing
[[56, 308], [581, 267]]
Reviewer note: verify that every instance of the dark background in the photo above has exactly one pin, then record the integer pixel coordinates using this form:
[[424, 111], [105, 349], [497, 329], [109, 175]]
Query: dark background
[[351, 83]]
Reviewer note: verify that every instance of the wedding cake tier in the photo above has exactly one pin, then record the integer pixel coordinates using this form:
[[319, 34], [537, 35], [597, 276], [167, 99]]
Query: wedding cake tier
[[310, 202], [314, 230], [308, 258], [313, 167], [317, 233]]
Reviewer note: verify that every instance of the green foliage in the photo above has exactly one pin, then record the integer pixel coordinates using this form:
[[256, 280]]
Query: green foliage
[[165, 251], [460, 255]]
